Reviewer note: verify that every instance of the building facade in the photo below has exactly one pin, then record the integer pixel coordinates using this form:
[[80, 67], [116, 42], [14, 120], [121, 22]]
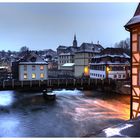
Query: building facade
[[111, 65], [133, 26], [83, 57], [65, 58], [30, 67]]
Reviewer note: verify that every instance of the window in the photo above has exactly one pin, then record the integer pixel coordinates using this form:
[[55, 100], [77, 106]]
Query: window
[[115, 76], [33, 67], [25, 76], [41, 75], [119, 76], [33, 75], [41, 67], [25, 67]]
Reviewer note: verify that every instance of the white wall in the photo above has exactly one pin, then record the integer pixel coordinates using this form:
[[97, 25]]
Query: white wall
[[29, 72], [110, 75], [117, 73], [97, 74]]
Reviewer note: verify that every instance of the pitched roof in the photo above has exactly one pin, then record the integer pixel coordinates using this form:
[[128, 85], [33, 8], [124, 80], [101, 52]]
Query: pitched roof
[[137, 12], [135, 19], [113, 52], [90, 47], [62, 47], [31, 57]]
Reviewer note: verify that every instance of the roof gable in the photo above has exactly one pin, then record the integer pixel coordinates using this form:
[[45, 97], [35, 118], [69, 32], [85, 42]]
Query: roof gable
[[31, 57], [137, 12], [135, 19]]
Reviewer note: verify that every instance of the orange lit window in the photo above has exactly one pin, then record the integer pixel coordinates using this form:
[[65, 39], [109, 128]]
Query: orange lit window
[[41, 75], [25, 76], [41, 67], [86, 71], [33, 75]]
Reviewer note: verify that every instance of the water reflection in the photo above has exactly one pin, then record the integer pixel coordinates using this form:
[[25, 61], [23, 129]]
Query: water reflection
[[6, 98], [68, 92], [9, 126], [74, 113]]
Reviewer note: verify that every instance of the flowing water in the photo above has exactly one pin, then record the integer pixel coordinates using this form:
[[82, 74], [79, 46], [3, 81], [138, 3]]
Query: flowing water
[[75, 113]]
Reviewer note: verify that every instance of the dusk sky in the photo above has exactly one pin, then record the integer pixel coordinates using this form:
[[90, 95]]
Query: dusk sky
[[48, 25]]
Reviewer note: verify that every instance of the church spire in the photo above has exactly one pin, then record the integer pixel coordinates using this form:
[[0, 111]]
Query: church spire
[[74, 41]]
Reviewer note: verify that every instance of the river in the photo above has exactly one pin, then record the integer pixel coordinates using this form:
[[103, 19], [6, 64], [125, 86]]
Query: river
[[75, 113]]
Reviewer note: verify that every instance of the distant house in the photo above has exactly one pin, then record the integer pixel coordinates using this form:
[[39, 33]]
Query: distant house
[[3, 72], [83, 57], [64, 58], [110, 63], [30, 67]]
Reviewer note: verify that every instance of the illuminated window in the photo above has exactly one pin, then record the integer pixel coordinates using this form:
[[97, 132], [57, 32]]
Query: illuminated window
[[25, 76], [33, 67], [25, 67], [41, 67], [33, 75], [86, 71], [41, 75]]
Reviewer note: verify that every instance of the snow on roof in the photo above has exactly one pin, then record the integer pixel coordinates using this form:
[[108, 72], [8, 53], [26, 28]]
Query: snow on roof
[[126, 56], [3, 67], [29, 63], [133, 20], [66, 54], [110, 63], [105, 55], [68, 64]]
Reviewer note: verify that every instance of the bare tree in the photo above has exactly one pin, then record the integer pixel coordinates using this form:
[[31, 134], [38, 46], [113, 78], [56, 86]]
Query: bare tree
[[124, 44]]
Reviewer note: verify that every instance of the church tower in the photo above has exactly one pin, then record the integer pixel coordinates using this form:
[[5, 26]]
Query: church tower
[[74, 41]]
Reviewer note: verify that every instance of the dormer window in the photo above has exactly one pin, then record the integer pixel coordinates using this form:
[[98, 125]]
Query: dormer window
[[33, 59]]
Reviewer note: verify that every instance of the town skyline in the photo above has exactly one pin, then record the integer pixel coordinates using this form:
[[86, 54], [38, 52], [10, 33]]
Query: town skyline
[[47, 25]]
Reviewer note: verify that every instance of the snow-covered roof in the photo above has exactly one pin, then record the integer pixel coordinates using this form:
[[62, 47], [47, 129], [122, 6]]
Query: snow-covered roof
[[133, 20], [110, 63], [33, 63], [66, 54], [106, 55], [3, 67], [68, 64]]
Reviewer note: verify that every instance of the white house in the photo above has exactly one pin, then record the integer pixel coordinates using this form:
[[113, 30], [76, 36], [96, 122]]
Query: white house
[[32, 67]]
